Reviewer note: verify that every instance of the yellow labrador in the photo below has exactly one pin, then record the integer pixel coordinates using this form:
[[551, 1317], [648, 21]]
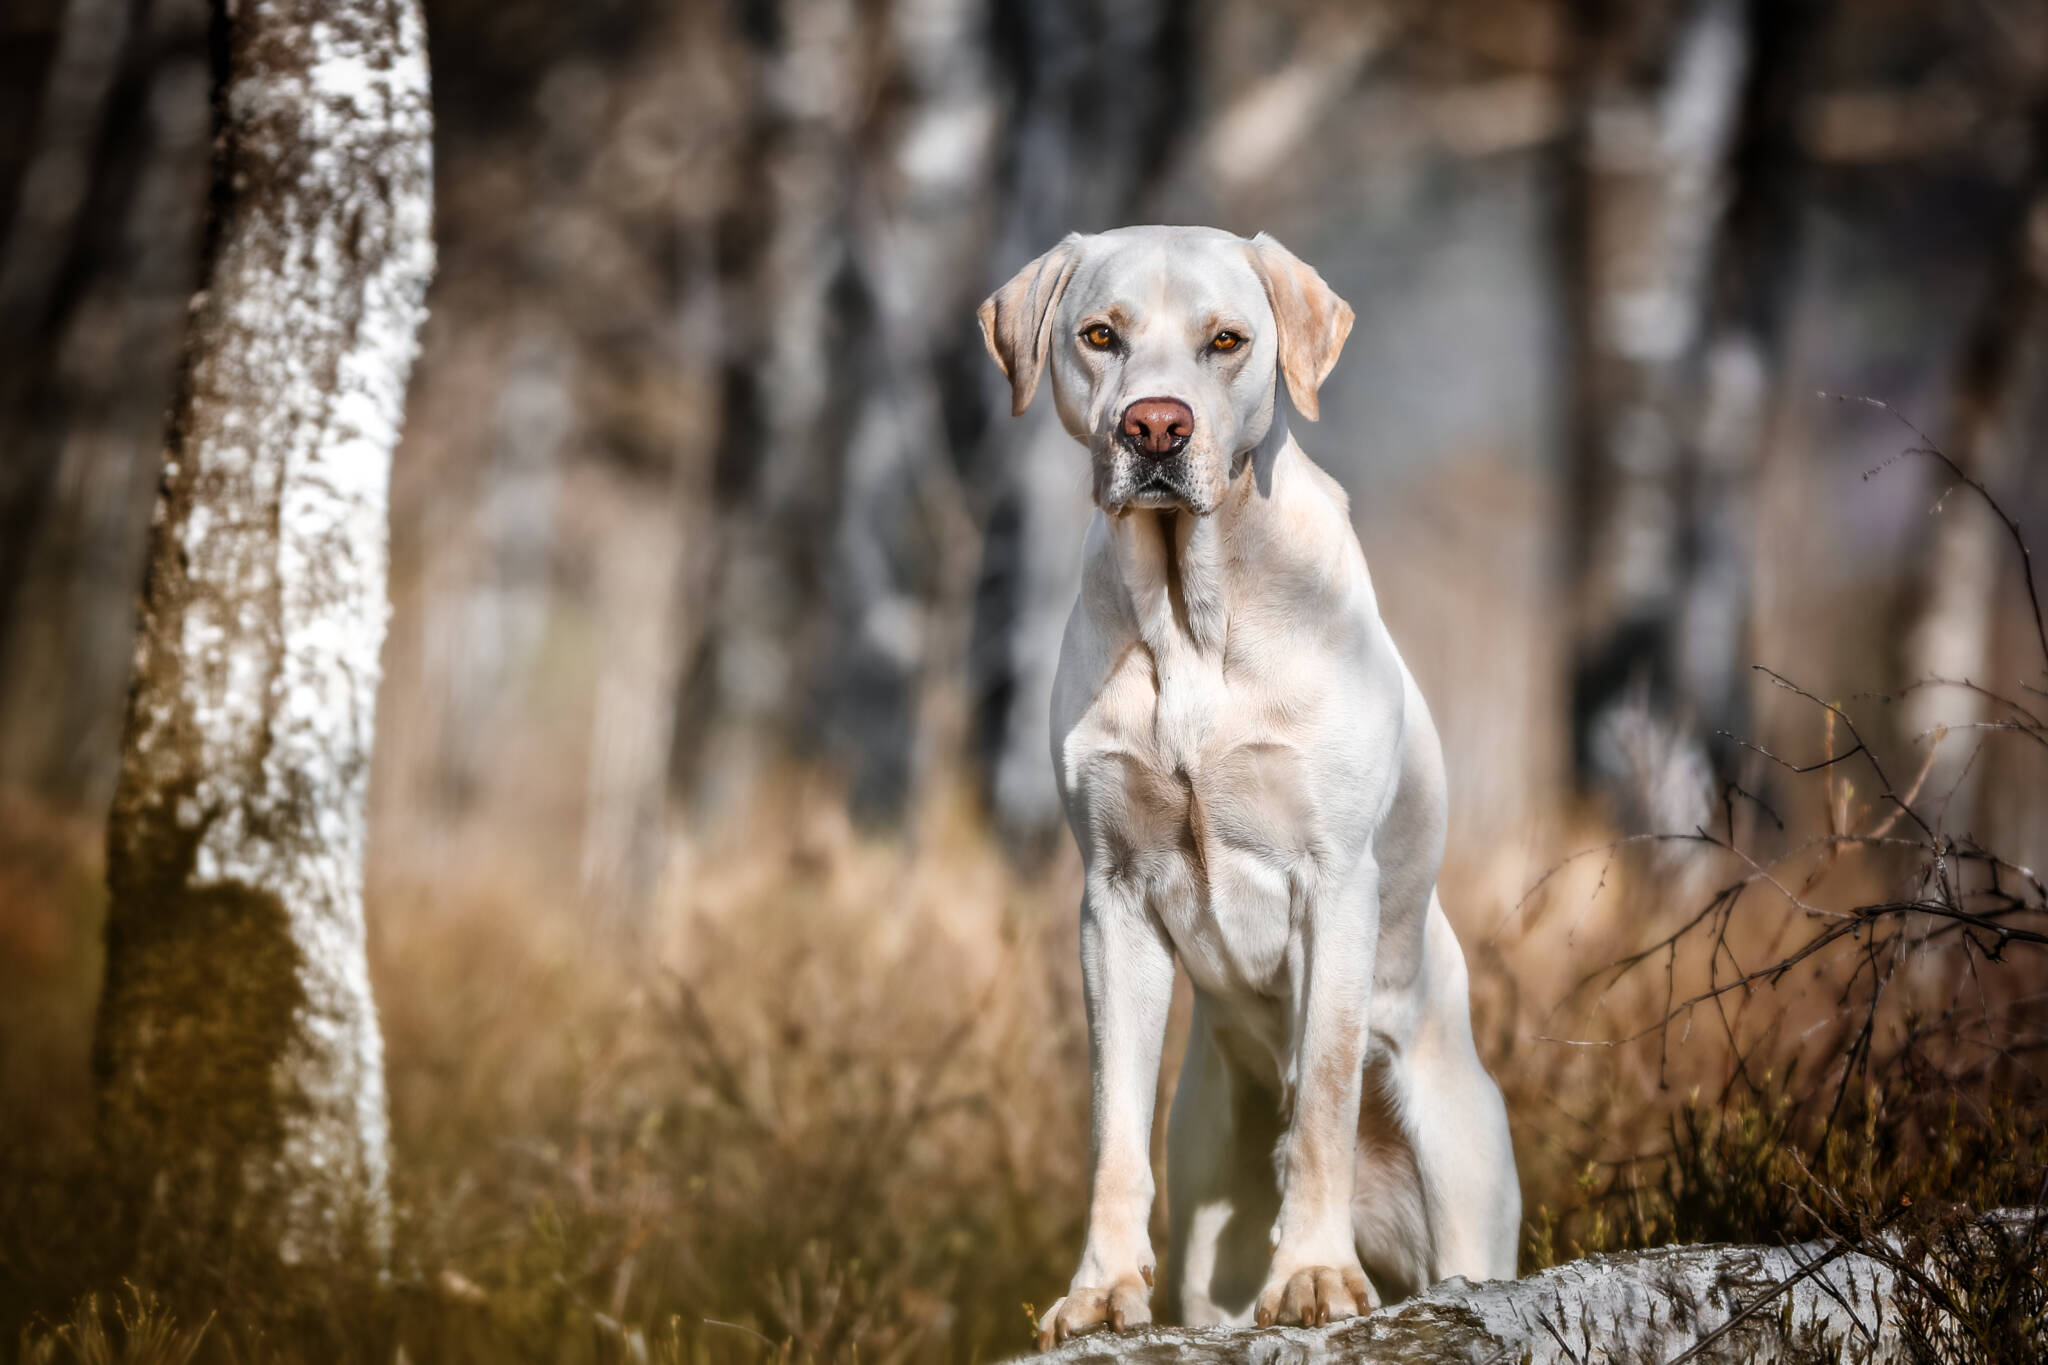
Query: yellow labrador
[[1257, 787]]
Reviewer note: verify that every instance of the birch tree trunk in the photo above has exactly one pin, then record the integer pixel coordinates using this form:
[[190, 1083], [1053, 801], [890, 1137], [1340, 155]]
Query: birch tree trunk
[[34, 303], [778, 477], [1656, 156], [237, 1050], [84, 380], [1963, 568], [1732, 387], [903, 553], [646, 556]]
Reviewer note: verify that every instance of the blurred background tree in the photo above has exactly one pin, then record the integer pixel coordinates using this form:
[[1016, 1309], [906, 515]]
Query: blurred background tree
[[703, 476]]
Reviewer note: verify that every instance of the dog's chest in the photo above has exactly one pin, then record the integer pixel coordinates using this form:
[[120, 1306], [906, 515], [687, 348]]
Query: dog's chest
[[1198, 796]]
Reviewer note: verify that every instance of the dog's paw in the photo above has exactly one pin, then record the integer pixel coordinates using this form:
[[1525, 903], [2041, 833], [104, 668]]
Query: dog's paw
[[1119, 1307], [1314, 1295]]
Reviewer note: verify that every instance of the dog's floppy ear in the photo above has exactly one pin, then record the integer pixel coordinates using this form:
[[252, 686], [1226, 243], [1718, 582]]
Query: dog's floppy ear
[[1016, 320], [1313, 321]]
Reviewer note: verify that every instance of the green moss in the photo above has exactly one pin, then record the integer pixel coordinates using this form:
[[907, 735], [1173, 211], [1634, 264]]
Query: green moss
[[202, 1000]]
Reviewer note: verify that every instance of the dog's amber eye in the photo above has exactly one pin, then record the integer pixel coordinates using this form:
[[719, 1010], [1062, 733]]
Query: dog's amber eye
[[1100, 337], [1226, 341]]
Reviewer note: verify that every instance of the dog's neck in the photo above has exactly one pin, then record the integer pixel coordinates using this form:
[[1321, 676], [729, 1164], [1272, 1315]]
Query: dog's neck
[[1176, 565], [1171, 562]]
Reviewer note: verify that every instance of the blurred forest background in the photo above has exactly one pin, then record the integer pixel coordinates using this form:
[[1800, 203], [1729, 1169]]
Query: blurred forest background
[[721, 912]]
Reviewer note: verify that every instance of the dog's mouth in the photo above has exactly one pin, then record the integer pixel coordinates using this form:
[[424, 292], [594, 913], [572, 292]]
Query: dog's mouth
[[1156, 490], [1156, 495]]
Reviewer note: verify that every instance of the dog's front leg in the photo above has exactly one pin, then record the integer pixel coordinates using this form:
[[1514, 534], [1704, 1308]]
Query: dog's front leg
[[1127, 974], [1315, 1276]]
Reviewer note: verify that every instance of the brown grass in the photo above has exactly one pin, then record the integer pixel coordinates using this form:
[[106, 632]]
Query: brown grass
[[829, 1101]]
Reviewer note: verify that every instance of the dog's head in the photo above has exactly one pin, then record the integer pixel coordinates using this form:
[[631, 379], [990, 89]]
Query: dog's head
[[1165, 344]]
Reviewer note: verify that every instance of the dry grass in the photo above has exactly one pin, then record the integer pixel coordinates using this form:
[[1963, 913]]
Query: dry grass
[[834, 1095], [829, 1102]]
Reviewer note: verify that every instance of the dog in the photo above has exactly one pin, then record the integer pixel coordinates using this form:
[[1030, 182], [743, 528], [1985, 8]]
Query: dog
[[1258, 790]]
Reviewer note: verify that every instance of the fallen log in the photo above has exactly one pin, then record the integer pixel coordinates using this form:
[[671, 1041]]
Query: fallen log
[[1812, 1302]]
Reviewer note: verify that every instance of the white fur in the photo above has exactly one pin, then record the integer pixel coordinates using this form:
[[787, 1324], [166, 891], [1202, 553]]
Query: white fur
[[1257, 788]]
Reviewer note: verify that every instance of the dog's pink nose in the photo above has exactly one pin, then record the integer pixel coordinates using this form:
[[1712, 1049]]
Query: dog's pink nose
[[1158, 426]]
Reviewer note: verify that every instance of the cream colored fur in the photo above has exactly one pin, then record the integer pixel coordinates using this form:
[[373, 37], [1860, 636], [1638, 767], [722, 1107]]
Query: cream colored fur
[[1257, 790]]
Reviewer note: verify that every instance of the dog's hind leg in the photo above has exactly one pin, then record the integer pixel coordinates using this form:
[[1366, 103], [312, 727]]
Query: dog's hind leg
[[1391, 1217], [1453, 1113], [1222, 1190]]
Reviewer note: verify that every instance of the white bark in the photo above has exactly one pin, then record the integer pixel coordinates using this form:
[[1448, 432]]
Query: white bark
[[903, 552], [486, 595], [765, 620], [1956, 634], [642, 615], [240, 1060], [1954, 638], [1048, 482], [1630, 1306], [1657, 186]]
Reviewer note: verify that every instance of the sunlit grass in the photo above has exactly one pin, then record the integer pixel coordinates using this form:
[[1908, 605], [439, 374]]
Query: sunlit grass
[[828, 1102]]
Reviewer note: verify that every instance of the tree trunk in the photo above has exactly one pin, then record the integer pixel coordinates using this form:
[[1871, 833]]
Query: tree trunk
[[903, 552], [238, 1055], [1732, 384], [86, 379], [777, 475], [1969, 559], [40, 270], [1653, 181]]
